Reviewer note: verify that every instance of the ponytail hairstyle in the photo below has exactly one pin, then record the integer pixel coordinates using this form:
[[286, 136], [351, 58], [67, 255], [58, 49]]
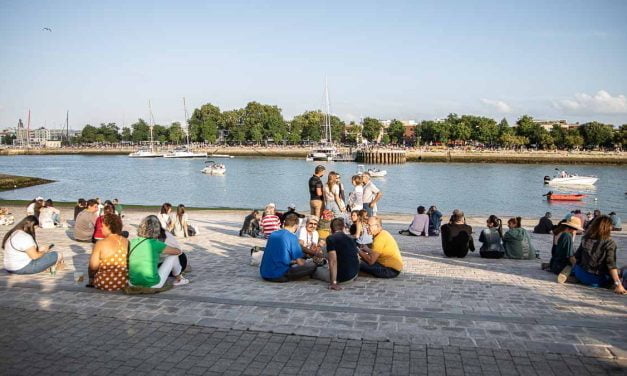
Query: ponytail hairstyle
[[513, 222], [496, 222], [518, 222], [180, 211]]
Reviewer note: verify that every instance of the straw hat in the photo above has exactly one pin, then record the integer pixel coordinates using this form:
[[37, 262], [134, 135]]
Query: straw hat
[[574, 222]]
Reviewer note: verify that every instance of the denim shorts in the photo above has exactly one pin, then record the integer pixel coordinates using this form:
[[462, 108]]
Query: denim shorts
[[39, 265]]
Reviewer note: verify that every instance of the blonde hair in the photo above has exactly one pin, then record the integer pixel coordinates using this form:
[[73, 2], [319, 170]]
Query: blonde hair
[[149, 227]]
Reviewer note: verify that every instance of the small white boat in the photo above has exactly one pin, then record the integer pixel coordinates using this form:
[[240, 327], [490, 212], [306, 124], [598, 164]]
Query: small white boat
[[144, 153], [322, 153], [213, 168], [220, 156], [184, 152], [564, 178], [373, 172]]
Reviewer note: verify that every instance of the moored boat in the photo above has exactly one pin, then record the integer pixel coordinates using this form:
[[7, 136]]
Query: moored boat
[[214, 168], [564, 178], [564, 196]]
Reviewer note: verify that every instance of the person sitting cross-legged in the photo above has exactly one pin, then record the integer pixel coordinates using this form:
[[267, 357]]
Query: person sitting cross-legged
[[563, 251], [419, 225], [457, 236], [283, 258], [342, 253], [384, 259], [107, 265]]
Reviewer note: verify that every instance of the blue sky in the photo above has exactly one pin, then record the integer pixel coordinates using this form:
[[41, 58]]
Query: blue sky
[[417, 60]]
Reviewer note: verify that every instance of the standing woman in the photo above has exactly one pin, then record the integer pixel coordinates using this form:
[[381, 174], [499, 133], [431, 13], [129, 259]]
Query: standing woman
[[107, 266], [491, 237], [596, 256], [164, 216], [356, 197], [22, 255], [179, 224], [332, 198]]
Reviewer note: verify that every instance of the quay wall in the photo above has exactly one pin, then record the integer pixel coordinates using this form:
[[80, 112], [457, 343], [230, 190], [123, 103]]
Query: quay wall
[[501, 156]]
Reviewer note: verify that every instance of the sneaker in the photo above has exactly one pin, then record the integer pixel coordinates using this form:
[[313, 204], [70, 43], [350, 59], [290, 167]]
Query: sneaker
[[181, 282], [564, 274]]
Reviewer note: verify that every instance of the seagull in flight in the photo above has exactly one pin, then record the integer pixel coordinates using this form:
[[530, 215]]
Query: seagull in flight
[[47, 29]]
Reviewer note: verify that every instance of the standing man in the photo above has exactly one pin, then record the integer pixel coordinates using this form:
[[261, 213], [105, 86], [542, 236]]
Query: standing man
[[372, 195], [316, 196], [384, 259]]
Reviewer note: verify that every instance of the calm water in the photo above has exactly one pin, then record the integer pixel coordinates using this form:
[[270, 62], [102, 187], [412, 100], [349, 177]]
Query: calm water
[[478, 189]]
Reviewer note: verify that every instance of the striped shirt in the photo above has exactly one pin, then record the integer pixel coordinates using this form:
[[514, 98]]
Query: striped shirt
[[270, 223]]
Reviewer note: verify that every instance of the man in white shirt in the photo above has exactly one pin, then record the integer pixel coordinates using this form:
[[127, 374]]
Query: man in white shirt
[[372, 195]]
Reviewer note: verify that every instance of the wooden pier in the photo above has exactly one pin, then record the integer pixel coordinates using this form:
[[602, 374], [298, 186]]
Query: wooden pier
[[381, 156]]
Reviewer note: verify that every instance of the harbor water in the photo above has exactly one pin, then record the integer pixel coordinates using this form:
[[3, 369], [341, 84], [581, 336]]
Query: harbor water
[[479, 189]]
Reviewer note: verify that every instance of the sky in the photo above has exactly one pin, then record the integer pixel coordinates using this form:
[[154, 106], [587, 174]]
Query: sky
[[103, 61]]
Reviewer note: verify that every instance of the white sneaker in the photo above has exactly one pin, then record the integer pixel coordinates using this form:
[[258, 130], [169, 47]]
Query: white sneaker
[[181, 282]]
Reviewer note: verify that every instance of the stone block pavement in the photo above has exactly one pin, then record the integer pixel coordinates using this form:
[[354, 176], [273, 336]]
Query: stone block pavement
[[499, 306]]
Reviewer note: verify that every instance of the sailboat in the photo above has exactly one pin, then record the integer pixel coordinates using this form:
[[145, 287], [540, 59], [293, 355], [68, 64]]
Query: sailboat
[[325, 151], [185, 151], [147, 152]]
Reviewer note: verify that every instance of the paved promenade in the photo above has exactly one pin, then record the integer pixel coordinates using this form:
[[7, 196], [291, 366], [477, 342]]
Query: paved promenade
[[485, 307]]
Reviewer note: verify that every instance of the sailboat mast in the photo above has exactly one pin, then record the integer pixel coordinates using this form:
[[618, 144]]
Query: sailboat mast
[[67, 126], [186, 123], [28, 130], [327, 119], [151, 124]]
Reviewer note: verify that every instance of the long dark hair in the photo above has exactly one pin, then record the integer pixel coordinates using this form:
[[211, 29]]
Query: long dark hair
[[165, 208], [180, 210], [496, 222], [27, 225]]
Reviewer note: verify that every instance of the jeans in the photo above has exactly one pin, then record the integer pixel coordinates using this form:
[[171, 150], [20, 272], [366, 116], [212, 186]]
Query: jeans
[[39, 265], [378, 270], [295, 272], [369, 210], [590, 279]]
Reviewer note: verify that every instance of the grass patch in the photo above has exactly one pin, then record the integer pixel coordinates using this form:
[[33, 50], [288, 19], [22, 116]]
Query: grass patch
[[8, 182]]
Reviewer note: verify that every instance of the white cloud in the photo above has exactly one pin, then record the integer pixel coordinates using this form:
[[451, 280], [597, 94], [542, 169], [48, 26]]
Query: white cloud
[[600, 103], [497, 105]]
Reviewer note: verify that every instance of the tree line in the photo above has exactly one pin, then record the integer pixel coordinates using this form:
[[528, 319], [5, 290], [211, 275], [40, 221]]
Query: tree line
[[259, 123]]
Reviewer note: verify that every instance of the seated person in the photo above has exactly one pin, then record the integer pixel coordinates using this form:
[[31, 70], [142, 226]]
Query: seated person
[[308, 238], [384, 259], [363, 236], [342, 253], [517, 241], [22, 255], [492, 246], [419, 225], [98, 234], [563, 253], [49, 216], [457, 236], [545, 226], [251, 228], [291, 209], [107, 265], [435, 219], [324, 224], [283, 258], [85, 222], [80, 206], [596, 256], [617, 223], [165, 216], [143, 257], [270, 222]]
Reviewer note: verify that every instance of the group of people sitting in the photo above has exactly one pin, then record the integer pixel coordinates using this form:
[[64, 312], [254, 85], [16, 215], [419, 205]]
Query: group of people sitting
[[116, 263], [424, 224], [546, 226]]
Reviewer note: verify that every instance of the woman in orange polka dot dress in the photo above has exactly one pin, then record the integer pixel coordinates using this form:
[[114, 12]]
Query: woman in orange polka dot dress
[[108, 270]]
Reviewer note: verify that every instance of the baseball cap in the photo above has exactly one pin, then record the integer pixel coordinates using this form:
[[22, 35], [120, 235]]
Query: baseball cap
[[291, 206]]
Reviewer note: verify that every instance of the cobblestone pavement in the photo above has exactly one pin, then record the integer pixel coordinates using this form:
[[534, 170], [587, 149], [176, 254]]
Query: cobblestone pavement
[[42, 343], [471, 302]]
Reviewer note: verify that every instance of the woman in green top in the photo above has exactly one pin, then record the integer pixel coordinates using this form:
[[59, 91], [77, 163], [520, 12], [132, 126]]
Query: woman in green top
[[143, 260], [517, 241]]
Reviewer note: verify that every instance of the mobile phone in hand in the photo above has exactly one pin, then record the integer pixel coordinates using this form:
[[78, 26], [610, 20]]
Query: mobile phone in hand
[[51, 246]]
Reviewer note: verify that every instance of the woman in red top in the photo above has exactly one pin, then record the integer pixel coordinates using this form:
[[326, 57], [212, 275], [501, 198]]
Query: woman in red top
[[98, 234]]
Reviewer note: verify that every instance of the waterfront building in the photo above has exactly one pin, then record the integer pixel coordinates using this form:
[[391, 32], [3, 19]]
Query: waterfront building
[[548, 124]]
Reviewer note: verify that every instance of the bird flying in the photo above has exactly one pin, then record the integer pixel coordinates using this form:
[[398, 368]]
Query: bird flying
[[47, 29]]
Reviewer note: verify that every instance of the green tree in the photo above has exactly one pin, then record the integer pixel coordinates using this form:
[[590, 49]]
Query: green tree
[[620, 136], [126, 134], [597, 134], [434, 131], [337, 128], [371, 129], [460, 131], [264, 122], [533, 131], [176, 133], [160, 133], [396, 131], [89, 133], [233, 123], [484, 130], [559, 135], [512, 140], [203, 124], [310, 125], [504, 127], [110, 132], [573, 138], [7, 139], [353, 133], [141, 131]]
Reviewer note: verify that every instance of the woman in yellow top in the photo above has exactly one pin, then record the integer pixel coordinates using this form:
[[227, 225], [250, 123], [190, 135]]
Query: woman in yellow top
[[384, 259], [108, 270]]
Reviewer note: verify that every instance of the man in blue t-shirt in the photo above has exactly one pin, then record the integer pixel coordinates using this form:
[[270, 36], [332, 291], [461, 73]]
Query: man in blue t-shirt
[[283, 258]]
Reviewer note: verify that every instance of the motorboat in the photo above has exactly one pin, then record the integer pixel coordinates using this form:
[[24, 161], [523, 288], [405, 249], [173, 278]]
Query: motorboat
[[213, 168], [373, 172], [184, 152], [564, 196], [564, 178], [322, 153], [145, 153]]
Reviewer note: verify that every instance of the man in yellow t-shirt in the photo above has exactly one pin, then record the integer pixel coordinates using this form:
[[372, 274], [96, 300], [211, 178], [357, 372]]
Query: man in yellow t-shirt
[[384, 259]]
